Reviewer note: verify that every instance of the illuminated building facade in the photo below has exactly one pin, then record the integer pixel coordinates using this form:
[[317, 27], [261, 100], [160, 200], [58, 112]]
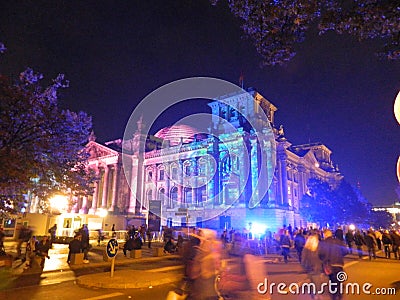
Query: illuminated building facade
[[178, 176]]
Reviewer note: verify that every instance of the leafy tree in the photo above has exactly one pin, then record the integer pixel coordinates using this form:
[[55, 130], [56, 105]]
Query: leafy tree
[[325, 205], [318, 205], [352, 206], [379, 219], [41, 146], [276, 26]]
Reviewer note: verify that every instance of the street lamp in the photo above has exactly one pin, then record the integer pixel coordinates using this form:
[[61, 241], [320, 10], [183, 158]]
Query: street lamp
[[59, 203]]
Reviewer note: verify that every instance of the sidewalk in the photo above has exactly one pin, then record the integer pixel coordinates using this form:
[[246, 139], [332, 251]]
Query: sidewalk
[[121, 278]]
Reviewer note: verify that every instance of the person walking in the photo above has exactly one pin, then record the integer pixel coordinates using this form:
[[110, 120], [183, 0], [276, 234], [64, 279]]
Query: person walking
[[85, 242], [53, 231], [370, 242], [31, 252], [299, 242], [349, 237], [378, 237], [75, 246], [359, 242], [331, 252], [395, 243], [387, 243], [149, 234], [285, 245], [42, 250], [312, 264]]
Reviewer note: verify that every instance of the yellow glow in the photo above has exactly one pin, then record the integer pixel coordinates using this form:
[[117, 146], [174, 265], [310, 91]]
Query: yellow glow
[[352, 227], [59, 202], [101, 212], [398, 169], [397, 108]]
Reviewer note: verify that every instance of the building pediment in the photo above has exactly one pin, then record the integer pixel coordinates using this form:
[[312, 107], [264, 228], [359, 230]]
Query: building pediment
[[310, 158], [97, 150]]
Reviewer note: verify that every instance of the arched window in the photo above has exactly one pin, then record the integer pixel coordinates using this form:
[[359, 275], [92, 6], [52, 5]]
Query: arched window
[[161, 196], [188, 195], [174, 194]]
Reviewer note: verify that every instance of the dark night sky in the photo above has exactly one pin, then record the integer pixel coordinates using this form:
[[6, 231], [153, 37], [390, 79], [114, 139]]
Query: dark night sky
[[335, 90]]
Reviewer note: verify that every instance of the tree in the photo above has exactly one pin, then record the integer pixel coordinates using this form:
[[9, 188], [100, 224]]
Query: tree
[[352, 206], [342, 205], [41, 146], [380, 219], [318, 204], [276, 26]]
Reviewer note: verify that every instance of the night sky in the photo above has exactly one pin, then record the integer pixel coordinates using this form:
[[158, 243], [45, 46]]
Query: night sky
[[335, 90]]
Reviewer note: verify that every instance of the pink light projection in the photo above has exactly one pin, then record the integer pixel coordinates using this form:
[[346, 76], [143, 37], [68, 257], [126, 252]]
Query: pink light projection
[[177, 132]]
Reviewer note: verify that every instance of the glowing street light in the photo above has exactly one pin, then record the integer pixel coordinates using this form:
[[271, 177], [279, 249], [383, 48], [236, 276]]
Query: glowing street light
[[101, 212], [59, 202], [352, 227]]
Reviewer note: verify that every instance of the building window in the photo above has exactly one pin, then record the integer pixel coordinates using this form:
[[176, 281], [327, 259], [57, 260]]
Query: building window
[[161, 177], [187, 170], [161, 194], [174, 194], [149, 176], [174, 173], [188, 195]]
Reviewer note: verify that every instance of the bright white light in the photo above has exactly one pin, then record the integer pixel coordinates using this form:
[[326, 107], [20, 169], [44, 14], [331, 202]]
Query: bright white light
[[352, 227], [316, 165], [59, 202], [258, 228], [397, 108], [398, 169], [101, 212]]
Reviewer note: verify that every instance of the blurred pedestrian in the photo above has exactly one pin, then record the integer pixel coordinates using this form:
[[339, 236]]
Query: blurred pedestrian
[[170, 246], [349, 237], [42, 250], [359, 242], [285, 245], [339, 233], [53, 232], [331, 252], [299, 242], [395, 243], [378, 237], [149, 234], [312, 264], [85, 242], [387, 243], [370, 242], [75, 246], [31, 252]]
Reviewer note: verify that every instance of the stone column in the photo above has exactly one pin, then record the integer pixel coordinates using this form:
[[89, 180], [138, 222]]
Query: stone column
[[93, 209], [167, 194], [154, 183], [180, 183], [105, 187], [84, 209], [282, 157], [114, 187]]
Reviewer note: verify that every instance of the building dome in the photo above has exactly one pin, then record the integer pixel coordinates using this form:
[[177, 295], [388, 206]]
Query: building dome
[[177, 132]]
